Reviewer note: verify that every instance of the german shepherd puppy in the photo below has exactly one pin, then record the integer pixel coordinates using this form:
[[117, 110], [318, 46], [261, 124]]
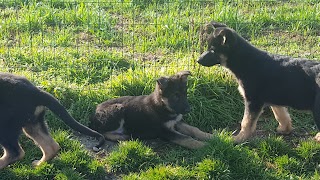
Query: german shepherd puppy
[[22, 108], [158, 115], [264, 79]]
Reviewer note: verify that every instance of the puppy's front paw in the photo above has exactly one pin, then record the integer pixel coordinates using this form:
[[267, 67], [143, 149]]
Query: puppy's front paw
[[317, 137], [190, 143], [196, 144], [241, 137], [209, 136], [36, 163], [285, 130], [3, 163]]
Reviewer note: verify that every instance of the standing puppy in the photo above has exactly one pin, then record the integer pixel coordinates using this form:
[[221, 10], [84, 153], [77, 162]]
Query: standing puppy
[[158, 115], [22, 108], [264, 79]]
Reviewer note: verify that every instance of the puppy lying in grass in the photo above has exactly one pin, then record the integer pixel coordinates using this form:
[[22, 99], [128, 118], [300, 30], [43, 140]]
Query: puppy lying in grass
[[158, 115]]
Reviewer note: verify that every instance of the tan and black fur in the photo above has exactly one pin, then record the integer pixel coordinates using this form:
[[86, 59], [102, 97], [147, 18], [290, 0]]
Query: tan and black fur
[[158, 115], [264, 79], [22, 108]]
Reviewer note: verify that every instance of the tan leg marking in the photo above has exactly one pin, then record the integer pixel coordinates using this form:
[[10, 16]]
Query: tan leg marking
[[189, 143], [282, 116], [248, 126], [118, 134], [317, 137], [193, 131], [241, 91], [115, 136], [182, 139], [8, 158], [46, 143]]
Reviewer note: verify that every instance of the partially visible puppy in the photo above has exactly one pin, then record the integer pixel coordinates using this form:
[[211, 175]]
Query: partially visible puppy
[[22, 108], [158, 115]]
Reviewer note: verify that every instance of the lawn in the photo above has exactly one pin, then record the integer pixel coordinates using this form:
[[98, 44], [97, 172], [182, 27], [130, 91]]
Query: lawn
[[86, 51]]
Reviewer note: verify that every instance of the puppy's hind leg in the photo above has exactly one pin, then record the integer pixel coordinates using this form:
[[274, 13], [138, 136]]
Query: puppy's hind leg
[[282, 116], [37, 130], [118, 134], [114, 136], [10, 131], [12, 152]]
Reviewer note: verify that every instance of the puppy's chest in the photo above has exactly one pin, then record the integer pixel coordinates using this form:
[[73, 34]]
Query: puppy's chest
[[171, 123]]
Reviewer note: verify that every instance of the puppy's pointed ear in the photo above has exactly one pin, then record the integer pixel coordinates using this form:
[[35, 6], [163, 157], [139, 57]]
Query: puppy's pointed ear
[[226, 36], [162, 82], [208, 28], [217, 24], [206, 32], [183, 75]]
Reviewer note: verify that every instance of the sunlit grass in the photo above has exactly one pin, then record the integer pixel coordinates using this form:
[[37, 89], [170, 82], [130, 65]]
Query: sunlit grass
[[84, 52]]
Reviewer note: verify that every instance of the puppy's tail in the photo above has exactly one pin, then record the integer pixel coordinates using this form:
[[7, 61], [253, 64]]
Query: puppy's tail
[[56, 107]]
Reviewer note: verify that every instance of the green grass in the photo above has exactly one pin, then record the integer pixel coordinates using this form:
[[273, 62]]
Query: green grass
[[87, 51], [131, 156]]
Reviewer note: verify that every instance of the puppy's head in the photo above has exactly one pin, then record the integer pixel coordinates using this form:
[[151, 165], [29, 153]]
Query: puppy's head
[[172, 92], [221, 41]]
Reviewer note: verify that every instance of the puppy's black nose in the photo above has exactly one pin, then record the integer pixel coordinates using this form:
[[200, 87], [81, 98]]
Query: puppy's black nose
[[207, 59]]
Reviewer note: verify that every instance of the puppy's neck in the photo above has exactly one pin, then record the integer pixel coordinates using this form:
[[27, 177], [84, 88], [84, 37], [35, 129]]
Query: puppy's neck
[[244, 59], [157, 101], [156, 96]]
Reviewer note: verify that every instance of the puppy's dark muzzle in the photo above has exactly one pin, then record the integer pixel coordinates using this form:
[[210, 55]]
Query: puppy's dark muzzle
[[207, 59]]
